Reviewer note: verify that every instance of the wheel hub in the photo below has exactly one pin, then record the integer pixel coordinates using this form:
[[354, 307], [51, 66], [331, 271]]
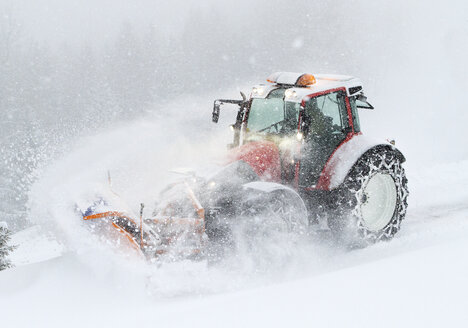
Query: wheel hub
[[380, 196]]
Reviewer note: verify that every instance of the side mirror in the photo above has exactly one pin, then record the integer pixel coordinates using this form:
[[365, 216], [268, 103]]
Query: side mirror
[[216, 107], [218, 102]]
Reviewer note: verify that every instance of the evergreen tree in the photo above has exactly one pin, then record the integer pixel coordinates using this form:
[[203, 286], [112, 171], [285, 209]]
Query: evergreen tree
[[5, 249]]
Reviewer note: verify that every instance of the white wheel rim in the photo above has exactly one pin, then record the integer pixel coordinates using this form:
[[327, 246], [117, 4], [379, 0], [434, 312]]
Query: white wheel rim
[[378, 201]]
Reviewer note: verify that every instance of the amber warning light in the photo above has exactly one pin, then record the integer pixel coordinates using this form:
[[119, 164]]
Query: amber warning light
[[303, 80]]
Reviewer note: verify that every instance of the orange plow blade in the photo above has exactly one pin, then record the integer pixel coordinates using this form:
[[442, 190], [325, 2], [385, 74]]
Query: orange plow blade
[[163, 233]]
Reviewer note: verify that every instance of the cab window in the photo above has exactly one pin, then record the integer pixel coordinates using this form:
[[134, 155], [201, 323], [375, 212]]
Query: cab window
[[272, 115], [326, 115]]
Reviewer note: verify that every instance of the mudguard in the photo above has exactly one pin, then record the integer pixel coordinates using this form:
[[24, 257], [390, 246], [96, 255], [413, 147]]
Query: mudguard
[[262, 188], [346, 155], [267, 187]]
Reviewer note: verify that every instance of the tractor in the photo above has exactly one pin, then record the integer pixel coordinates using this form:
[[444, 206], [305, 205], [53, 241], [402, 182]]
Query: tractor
[[303, 131], [298, 162]]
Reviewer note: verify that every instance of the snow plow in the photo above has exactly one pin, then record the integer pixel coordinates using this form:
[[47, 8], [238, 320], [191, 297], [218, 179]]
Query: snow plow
[[164, 232], [298, 163]]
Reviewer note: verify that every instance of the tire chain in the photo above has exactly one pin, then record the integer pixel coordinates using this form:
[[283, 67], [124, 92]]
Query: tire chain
[[384, 162]]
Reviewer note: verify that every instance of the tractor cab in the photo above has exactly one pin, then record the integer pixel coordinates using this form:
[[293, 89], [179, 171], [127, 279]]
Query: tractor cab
[[306, 116]]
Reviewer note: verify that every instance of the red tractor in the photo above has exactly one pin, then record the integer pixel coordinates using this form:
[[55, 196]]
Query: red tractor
[[303, 131], [298, 160]]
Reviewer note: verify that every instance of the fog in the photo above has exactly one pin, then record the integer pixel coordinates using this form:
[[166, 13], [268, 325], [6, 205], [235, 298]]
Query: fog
[[70, 69]]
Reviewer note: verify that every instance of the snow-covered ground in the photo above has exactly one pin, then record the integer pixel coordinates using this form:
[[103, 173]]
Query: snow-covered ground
[[65, 277]]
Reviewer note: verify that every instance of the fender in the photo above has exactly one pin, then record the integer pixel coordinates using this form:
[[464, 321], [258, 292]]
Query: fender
[[345, 156], [262, 156], [262, 187], [268, 187]]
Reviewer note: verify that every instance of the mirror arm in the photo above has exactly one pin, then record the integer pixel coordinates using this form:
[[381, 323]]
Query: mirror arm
[[218, 102], [244, 98], [361, 97]]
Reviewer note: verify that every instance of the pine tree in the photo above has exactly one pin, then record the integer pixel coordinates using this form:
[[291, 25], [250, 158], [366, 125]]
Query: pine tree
[[5, 235]]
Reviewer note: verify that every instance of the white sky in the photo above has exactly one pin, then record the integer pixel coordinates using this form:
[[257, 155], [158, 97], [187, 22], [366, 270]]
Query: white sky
[[95, 20]]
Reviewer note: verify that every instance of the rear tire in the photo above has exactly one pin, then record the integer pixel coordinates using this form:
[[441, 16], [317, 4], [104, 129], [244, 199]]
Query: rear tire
[[373, 200]]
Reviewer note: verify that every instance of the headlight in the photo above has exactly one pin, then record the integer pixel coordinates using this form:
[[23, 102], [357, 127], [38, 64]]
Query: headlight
[[290, 93], [258, 91]]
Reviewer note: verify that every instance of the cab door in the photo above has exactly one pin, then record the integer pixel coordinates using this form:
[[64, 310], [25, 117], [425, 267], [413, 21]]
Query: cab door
[[325, 126]]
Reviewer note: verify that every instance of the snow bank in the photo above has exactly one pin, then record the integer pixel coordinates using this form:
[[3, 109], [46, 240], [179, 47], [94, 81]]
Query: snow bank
[[419, 279], [34, 245]]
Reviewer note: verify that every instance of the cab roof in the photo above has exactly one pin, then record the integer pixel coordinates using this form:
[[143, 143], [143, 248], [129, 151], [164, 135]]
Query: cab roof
[[302, 85]]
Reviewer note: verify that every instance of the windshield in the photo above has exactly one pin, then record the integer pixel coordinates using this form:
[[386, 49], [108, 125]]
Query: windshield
[[273, 115]]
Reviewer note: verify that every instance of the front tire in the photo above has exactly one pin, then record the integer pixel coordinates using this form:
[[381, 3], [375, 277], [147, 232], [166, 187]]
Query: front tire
[[374, 200], [265, 226], [279, 211]]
